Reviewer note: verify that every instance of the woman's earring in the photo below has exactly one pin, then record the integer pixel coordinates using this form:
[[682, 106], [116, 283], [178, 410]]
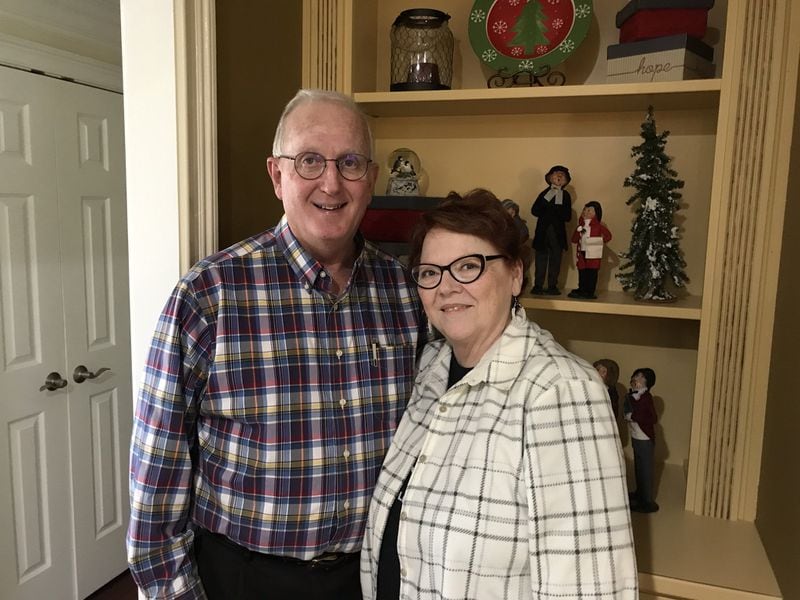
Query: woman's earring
[[516, 305]]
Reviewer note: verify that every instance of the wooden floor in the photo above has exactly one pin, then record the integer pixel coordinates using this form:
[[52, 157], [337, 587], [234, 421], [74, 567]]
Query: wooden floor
[[120, 588]]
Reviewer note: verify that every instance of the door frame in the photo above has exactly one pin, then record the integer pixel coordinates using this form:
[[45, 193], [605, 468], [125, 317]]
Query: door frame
[[26, 54], [196, 111], [196, 78], [192, 90], [158, 41]]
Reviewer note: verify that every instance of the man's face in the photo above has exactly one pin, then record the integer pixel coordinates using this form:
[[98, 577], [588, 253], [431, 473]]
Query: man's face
[[558, 179], [323, 213]]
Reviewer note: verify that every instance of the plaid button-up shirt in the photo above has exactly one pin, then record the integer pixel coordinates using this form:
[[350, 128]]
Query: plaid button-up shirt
[[267, 406], [517, 485]]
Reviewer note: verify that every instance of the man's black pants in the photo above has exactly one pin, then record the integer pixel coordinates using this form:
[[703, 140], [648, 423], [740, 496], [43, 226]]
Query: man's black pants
[[230, 572]]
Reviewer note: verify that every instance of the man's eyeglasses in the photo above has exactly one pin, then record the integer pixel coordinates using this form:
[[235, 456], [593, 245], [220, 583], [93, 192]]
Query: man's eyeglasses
[[464, 270], [310, 165]]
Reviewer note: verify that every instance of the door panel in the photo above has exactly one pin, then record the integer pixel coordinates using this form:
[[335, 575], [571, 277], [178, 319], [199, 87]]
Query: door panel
[[106, 451], [35, 515], [64, 305], [31, 525], [94, 266]]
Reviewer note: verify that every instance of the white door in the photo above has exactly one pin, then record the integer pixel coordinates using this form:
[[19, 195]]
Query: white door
[[63, 291]]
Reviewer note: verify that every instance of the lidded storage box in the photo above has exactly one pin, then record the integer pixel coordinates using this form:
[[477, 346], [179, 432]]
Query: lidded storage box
[[422, 50], [668, 58], [647, 19]]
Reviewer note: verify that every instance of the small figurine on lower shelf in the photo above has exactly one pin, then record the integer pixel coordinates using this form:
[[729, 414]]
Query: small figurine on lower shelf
[[609, 373], [640, 413], [553, 210], [513, 209], [404, 173], [590, 236]]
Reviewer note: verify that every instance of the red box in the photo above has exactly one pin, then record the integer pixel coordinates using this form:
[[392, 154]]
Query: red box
[[389, 225], [389, 220], [647, 19]]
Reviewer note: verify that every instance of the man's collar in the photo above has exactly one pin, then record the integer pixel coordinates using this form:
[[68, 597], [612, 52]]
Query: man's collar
[[307, 268]]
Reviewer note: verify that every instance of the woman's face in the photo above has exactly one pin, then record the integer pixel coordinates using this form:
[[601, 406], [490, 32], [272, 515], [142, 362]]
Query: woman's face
[[471, 316], [588, 212]]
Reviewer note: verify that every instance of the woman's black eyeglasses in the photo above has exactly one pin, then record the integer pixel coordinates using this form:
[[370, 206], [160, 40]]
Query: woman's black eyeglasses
[[464, 270]]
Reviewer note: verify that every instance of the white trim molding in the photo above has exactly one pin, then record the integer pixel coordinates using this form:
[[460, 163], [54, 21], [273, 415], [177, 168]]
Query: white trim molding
[[195, 33], [25, 54]]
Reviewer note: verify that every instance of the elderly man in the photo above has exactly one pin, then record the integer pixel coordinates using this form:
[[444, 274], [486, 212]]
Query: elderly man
[[278, 372]]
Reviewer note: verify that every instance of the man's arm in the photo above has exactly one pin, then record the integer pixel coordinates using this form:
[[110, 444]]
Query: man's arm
[[164, 440]]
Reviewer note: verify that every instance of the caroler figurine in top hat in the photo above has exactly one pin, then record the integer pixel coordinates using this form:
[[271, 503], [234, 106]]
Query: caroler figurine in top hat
[[553, 209], [589, 237]]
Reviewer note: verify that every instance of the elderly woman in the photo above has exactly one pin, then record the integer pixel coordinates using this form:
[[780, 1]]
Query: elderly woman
[[505, 478]]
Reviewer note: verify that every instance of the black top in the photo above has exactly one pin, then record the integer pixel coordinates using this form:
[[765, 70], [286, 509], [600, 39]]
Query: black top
[[388, 561]]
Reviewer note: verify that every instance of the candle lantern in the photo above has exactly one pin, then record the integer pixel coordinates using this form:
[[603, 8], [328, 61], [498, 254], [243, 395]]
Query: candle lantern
[[422, 50]]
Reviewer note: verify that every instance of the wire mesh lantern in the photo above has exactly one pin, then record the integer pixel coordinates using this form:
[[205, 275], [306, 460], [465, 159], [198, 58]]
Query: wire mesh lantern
[[422, 50]]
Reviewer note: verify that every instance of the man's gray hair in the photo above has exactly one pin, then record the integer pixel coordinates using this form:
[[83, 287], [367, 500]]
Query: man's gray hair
[[304, 96]]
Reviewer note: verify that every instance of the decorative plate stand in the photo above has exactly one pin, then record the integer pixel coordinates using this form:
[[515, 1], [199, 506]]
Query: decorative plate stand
[[525, 38]]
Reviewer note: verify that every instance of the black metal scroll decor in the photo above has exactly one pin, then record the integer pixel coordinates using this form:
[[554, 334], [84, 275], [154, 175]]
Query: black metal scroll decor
[[539, 77]]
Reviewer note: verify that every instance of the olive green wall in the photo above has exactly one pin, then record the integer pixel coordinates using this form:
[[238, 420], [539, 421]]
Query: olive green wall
[[778, 517], [258, 71]]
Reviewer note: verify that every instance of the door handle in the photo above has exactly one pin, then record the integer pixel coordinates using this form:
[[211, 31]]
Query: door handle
[[81, 373], [53, 382]]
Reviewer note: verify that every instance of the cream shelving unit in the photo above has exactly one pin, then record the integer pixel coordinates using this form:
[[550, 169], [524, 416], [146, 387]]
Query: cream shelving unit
[[711, 349]]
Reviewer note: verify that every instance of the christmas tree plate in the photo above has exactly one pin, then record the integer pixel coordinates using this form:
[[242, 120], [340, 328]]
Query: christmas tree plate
[[526, 35]]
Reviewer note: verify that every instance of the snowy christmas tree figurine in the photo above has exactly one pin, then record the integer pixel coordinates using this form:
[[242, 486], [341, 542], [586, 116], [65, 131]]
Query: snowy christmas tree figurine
[[654, 262]]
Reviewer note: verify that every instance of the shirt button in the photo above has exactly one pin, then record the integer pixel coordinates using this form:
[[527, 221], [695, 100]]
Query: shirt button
[[339, 354], [403, 516], [422, 458], [442, 408], [346, 504], [342, 402], [323, 274], [346, 453], [402, 572]]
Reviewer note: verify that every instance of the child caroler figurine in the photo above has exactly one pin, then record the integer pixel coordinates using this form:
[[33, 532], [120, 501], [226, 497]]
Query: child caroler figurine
[[513, 209], [609, 373], [553, 209], [590, 236], [640, 413]]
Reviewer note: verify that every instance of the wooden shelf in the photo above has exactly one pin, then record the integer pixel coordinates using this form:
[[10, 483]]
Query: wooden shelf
[[617, 303], [611, 97], [683, 555]]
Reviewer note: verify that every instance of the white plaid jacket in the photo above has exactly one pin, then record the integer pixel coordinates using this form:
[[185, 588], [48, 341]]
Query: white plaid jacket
[[518, 486]]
